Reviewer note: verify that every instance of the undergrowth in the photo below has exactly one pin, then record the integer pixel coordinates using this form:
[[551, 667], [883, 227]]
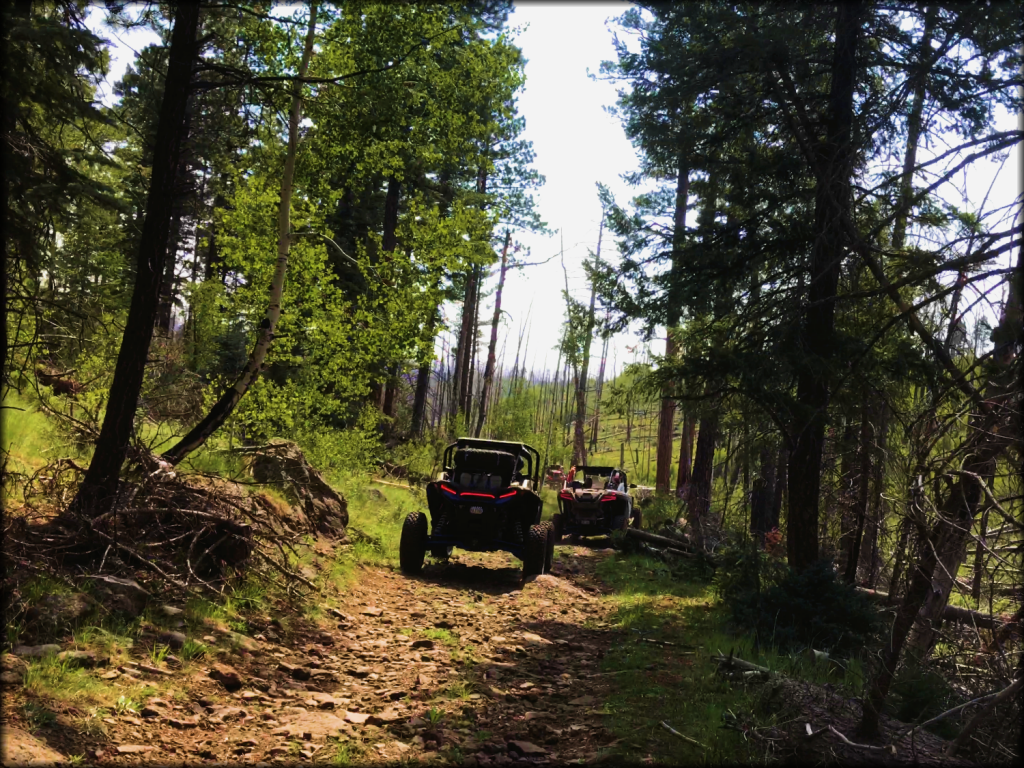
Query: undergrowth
[[674, 678]]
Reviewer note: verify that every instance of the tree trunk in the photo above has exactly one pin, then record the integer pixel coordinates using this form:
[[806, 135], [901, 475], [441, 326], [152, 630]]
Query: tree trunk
[[96, 494], [227, 402], [492, 347], [389, 241], [866, 439], [666, 420], [877, 494], [165, 313], [762, 495], [597, 395], [473, 347], [419, 403], [579, 447], [956, 512], [979, 560], [782, 467], [685, 453], [914, 124], [900, 558], [699, 501], [832, 203]]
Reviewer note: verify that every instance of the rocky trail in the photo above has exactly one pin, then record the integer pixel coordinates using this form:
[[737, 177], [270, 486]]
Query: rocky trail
[[466, 665]]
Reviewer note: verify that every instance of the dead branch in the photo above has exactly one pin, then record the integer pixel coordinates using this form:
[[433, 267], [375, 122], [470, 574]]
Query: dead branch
[[674, 732], [976, 720]]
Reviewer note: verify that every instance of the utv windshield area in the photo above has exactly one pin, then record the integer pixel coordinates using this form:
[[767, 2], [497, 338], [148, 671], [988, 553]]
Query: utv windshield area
[[608, 478]]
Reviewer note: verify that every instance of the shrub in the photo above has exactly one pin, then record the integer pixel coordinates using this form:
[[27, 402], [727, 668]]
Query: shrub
[[918, 694], [792, 611]]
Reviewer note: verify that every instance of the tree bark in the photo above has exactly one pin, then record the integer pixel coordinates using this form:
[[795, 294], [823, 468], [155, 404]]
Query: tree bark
[[685, 453], [877, 494], [597, 394], [389, 241], [229, 400], [579, 447], [471, 358], [780, 484], [666, 420], [492, 347], [419, 403], [866, 438], [955, 512], [699, 501], [96, 494], [914, 124], [832, 203]]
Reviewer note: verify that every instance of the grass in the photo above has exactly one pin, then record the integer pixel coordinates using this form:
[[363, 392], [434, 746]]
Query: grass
[[441, 635], [678, 684], [52, 678]]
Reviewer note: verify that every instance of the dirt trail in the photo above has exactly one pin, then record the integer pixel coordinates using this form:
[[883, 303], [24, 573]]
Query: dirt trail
[[465, 665]]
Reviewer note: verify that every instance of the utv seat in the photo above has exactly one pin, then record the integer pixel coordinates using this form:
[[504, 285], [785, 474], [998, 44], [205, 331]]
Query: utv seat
[[482, 469]]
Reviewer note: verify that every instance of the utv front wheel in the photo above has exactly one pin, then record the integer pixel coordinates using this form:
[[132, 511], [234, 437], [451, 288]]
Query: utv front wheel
[[549, 549], [536, 550], [413, 546]]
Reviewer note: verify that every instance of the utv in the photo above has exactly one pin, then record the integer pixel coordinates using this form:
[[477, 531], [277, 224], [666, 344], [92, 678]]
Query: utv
[[595, 502], [486, 499]]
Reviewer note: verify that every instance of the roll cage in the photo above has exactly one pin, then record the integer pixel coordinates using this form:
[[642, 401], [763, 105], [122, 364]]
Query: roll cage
[[469, 458]]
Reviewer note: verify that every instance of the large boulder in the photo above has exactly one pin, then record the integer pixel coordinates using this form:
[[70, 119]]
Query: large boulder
[[282, 463], [20, 748], [120, 595], [55, 615]]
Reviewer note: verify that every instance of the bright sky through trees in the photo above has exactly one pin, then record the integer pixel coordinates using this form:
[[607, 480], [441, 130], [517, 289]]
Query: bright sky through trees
[[578, 144]]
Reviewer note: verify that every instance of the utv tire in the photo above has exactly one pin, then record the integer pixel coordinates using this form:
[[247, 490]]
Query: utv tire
[[413, 545], [549, 550], [536, 550]]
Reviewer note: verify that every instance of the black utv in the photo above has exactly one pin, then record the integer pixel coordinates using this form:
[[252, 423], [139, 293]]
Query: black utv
[[595, 502], [485, 499]]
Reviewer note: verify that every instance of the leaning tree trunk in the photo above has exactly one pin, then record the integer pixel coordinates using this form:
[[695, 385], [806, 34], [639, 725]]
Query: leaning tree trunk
[[991, 435], [834, 161], [223, 408], [956, 512], [493, 345], [96, 494]]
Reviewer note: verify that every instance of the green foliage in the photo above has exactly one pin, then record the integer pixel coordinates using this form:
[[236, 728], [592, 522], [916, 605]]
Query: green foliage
[[918, 693], [793, 610]]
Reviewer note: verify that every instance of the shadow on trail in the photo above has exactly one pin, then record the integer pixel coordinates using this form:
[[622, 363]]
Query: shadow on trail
[[474, 578]]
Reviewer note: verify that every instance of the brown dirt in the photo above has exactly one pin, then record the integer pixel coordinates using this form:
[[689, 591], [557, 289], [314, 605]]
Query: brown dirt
[[524, 666]]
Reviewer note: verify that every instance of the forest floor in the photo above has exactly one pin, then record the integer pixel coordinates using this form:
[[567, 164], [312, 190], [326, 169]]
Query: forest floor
[[465, 665]]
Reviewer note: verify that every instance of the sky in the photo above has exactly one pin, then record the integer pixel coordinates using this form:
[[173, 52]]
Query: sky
[[578, 144]]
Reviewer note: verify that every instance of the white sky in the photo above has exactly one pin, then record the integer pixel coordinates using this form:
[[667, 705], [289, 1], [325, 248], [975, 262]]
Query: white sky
[[578, 144]]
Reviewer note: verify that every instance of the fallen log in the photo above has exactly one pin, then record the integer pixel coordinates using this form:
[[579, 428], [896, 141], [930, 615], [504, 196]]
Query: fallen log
[[952, 613], [721, 658], [653, 538]]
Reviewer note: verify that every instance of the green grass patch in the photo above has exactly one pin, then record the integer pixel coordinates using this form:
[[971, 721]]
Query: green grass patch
[[679, 683], [441, 635]]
